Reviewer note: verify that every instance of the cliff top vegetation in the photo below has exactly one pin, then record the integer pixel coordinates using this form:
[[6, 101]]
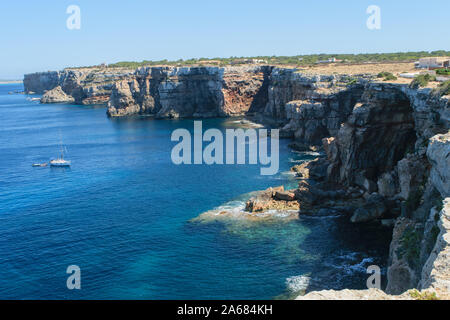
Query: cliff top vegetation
[[299, 60]]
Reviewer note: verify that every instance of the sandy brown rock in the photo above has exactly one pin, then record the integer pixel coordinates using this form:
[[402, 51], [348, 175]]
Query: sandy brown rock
[[346, 294], [272, 199]]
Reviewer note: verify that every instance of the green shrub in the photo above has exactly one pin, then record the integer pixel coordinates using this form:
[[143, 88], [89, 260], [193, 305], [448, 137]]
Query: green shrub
[[439, 203], [415, 198], [443, 89], [298, 60], [383, 74], [417, 295], [410, 246], [390, 77], [386, 76], [352, 81], [443, 72], [422, 80], [435, 231]]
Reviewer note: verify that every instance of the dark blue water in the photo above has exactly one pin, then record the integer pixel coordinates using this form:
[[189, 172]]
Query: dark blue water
[[122, 214]]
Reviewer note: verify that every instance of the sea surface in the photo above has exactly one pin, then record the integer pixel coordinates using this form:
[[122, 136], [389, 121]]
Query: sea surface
[[124, 214]]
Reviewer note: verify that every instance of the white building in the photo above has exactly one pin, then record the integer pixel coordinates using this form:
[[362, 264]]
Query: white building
[[433, 63]]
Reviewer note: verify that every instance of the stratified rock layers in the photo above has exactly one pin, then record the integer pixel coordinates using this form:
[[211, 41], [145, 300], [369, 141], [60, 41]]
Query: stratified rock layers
[[56, 95], [85, 86], [202, 92]]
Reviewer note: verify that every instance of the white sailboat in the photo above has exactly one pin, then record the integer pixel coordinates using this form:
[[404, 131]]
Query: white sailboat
[[60, 161]]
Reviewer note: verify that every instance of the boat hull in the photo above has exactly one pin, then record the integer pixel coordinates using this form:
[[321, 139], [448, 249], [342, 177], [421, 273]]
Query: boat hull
[[59, 163]]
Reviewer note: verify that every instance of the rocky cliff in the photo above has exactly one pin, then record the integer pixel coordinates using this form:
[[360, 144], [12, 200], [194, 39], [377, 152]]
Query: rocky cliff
[[394, 148], [170, 92], [387, 145], [81, 86], [165, 92]]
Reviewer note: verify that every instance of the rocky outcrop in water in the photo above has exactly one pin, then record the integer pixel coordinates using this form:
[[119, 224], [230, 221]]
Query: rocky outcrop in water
[[272, 199], [56, 95], [84, 85]]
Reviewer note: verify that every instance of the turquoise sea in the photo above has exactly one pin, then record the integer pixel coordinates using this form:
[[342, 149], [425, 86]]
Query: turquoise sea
[[123, 213]]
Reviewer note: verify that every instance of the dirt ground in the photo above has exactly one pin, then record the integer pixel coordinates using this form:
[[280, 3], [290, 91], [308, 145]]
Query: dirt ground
[[374, 68], [368, 68]]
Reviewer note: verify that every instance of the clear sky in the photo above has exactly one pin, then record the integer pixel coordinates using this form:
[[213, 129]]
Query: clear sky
[[34, 36]]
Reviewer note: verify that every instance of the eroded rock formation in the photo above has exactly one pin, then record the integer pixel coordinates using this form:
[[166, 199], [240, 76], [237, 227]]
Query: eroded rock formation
[[387, 147], [56, 95], [203, 92], [84, 85]]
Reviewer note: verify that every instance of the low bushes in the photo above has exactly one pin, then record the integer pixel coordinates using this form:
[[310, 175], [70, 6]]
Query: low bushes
[[422, 80], [443, 89], [387, 76], [443, 72]]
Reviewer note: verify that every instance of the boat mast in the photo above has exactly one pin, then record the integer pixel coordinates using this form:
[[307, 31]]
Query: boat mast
[[61, 145]]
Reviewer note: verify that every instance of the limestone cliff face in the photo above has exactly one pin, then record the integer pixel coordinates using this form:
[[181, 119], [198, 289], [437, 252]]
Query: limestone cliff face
[[287, 85], [438, 154], [200, 92], [385, 139], [391, 148], [85, 86], [374, 138], [310, 108], [435, 273], [40, 82]]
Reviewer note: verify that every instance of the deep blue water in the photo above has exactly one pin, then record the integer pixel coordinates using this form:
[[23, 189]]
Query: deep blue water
[[122, 213]]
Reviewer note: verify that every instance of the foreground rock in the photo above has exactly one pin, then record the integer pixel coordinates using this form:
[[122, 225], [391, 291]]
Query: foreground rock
[[434, 280], [272, 199], [56, 95], [436, 271], [369, 294]]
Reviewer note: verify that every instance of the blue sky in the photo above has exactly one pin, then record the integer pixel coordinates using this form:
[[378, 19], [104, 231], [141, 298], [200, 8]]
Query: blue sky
[[34, 36]]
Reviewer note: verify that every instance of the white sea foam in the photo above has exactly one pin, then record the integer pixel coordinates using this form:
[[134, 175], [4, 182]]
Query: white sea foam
[[297, 283], [247, 123], [296, 160], [352, 263], [308, 153], [287, 173], [360, 267], [236, 210]]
